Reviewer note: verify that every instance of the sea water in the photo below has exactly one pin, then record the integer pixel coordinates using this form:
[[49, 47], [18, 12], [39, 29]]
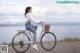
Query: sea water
[[60, 30]]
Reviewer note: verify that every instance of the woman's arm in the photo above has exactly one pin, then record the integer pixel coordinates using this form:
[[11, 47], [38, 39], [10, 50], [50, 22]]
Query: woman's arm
[[28, 17]]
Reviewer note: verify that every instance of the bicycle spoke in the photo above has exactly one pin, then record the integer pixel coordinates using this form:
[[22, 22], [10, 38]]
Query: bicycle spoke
[[20, 42], [48, 41]]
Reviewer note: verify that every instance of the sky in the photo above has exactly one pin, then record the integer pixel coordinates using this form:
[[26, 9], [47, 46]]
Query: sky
[[12, 11]]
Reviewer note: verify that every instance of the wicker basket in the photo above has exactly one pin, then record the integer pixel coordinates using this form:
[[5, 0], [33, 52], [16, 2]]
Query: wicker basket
[[46, 28]]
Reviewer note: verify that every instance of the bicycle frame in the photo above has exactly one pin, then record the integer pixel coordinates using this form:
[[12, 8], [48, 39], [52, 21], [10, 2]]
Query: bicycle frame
[[29, 32]]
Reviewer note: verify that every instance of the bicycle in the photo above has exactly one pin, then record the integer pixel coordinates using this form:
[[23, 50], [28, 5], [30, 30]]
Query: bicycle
[[47, 41]]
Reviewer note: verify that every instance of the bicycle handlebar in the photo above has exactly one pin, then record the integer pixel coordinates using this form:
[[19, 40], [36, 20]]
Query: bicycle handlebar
[[40, 23]]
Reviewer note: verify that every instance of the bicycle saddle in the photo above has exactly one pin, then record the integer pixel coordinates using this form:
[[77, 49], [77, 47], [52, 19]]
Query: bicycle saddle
[[21, 30]]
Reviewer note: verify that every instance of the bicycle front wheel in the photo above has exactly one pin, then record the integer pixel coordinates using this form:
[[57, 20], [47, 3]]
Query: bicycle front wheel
[[20, 42], [48, 41]]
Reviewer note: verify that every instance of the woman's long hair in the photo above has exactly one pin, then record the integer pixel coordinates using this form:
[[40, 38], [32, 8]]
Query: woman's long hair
[[27, 10]]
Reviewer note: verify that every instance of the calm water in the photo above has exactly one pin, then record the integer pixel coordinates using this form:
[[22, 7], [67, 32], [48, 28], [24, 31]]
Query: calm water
[[61, 31]]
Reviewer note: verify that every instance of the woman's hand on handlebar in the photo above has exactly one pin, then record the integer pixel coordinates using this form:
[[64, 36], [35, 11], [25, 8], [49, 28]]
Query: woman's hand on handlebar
[[40, 23]]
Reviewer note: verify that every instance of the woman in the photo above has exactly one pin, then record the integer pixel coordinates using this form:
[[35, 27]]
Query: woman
[[30, 25]]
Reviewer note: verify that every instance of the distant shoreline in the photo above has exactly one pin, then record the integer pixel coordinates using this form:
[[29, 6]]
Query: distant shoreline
[[57, 23]]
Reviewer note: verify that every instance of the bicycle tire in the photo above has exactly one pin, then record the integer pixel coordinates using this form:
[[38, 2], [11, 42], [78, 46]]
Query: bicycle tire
[[13, 43], [54, 45]]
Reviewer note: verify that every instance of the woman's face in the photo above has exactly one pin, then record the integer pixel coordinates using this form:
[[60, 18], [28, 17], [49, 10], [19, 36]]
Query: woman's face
[[30, 10]]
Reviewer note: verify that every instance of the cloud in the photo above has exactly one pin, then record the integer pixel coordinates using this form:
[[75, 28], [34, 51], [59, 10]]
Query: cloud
[[47, 10]]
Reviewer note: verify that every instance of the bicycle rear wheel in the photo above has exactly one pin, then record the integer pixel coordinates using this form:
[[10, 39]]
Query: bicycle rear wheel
[[48, 41], [20, 42]]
